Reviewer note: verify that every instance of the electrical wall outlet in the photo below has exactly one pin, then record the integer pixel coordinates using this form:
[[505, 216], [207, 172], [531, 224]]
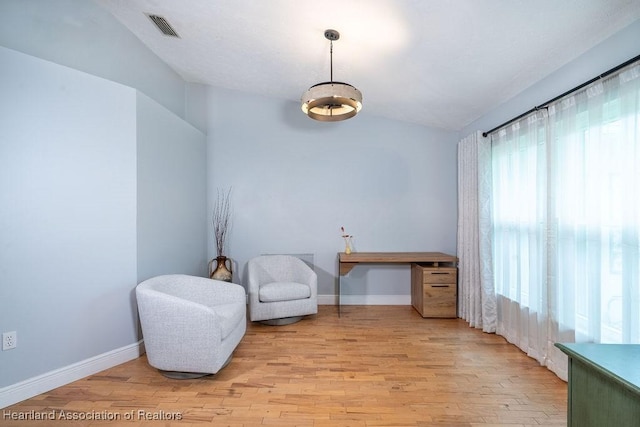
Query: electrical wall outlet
[[9, 340]]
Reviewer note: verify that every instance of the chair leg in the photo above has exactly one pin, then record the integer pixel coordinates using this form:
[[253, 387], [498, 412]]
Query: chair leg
[[282, 321]]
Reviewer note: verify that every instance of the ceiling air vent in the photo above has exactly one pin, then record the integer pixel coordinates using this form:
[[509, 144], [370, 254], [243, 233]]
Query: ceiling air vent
[[162, 24]]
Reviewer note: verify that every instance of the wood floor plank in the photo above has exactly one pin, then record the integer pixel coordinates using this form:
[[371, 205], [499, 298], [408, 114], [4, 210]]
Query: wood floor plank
[[374, 366]]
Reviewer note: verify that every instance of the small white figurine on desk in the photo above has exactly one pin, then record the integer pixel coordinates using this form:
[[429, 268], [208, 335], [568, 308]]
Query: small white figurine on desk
[[347, 241]]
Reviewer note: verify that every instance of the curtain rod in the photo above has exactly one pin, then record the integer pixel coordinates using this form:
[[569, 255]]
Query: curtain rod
[[545, 104]]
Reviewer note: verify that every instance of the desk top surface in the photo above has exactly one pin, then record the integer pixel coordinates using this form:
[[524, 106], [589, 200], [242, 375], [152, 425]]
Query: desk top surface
[[395, 257], [620, 361]]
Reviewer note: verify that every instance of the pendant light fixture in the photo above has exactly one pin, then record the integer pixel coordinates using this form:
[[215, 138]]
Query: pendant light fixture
[[331, 101]]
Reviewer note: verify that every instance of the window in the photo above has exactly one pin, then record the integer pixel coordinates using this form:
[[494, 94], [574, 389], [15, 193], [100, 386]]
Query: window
[[566, 219]]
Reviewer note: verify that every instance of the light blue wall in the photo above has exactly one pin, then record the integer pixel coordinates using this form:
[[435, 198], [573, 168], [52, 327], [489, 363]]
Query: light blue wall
[[617, 49], [196, 106], [82, 35], [297, 181], [172, 197], [68, 217], [101, 186]]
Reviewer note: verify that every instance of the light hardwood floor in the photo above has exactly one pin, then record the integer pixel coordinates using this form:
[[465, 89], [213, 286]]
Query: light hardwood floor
[[374, 366]]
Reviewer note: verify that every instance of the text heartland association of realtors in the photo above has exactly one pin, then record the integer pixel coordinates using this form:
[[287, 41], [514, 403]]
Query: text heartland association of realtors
[[137, 415]]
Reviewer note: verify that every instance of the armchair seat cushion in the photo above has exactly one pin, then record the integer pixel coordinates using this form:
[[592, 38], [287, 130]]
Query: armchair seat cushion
[[283, 291]]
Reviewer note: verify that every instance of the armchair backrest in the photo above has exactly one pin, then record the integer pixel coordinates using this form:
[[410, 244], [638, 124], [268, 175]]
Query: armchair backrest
[[198, 290], [279, 268]]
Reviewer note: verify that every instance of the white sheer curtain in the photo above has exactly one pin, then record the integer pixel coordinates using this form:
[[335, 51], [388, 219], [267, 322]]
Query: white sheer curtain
[[519, 158], [476, 294], [595, 191], [566, 220]]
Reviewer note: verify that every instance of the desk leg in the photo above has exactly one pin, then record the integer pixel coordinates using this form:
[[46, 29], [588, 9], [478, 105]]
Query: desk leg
[[339, 295]]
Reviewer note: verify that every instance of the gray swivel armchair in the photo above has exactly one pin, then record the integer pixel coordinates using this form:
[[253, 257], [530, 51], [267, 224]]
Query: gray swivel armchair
[[190, 325], [282, 289]]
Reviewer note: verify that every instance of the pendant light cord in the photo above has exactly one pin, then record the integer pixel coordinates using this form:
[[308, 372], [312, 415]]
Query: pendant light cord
[[331, 58]]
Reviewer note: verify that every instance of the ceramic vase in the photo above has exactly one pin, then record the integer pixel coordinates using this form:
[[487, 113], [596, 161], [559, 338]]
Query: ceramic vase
[[222, 271]]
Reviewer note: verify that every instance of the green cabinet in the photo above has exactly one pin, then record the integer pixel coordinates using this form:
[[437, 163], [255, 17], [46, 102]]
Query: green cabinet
[[604, 384]]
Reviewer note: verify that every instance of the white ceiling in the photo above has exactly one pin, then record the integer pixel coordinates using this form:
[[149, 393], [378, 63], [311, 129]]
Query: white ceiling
[[440, 63]]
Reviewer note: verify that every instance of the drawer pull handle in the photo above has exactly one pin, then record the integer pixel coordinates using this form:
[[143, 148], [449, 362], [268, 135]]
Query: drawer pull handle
[[439, 272], [439, 286]]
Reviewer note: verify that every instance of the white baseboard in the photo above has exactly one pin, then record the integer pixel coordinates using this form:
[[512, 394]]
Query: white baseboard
[[48, 381], [365, 300]]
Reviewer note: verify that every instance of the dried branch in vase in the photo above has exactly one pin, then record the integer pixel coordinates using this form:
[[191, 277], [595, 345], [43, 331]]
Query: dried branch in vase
[[222, 219]]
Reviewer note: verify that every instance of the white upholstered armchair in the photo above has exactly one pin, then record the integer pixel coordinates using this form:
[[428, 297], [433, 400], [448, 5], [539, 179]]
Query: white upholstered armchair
[[282, 289], [190, 325]]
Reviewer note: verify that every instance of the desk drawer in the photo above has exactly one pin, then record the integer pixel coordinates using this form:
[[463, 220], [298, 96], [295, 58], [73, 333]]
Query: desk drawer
[[439, 275], [439, 300]]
